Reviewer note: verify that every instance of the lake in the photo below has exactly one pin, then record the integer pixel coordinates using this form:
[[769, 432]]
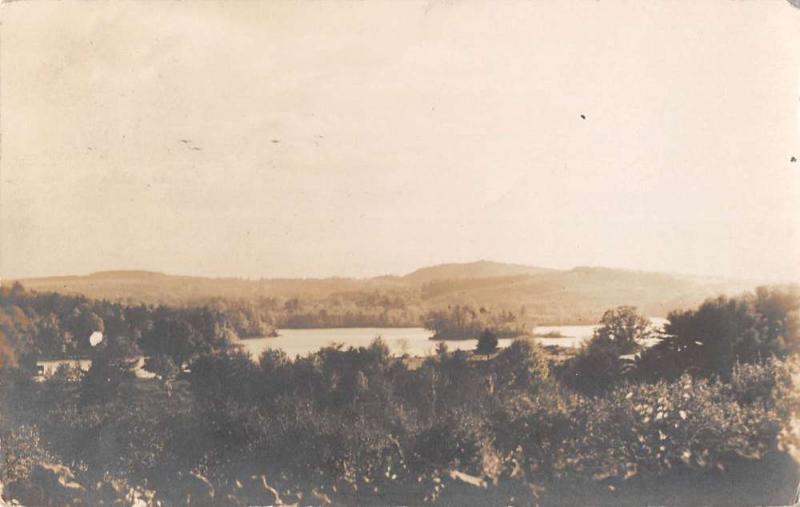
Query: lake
[[414, 341]]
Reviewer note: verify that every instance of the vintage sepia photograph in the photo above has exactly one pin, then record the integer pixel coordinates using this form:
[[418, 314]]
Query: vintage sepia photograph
[[399, 253]]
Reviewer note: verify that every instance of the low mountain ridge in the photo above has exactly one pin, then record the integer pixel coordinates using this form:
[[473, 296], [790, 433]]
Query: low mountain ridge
[[538, 295]]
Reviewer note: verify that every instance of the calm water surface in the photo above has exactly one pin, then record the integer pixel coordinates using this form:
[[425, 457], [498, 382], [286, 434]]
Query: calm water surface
[[414, 341]]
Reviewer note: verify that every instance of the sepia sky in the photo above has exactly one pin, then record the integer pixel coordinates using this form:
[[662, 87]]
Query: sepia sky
[[317, 138]]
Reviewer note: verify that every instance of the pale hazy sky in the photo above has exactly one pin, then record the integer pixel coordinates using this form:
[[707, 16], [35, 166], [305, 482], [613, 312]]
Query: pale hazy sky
[[360, 138]]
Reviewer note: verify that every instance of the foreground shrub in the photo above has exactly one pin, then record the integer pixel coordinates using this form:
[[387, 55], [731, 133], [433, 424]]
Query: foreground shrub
[[695, 423], [355, 425], [521, 366]]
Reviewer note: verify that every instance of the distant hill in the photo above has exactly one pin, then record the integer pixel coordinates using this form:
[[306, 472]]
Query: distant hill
[[479, 269], [581, 295], [539, 295]]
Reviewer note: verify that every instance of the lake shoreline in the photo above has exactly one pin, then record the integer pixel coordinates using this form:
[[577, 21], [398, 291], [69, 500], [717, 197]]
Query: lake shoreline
[[463, 339], [277, 332], [400, 341]]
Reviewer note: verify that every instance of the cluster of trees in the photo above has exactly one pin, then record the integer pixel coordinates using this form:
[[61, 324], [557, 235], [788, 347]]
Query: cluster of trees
[[725, 331], [248, 319], [465, 322], [355, 309], [54, 326], [360, 426], [707, 341]]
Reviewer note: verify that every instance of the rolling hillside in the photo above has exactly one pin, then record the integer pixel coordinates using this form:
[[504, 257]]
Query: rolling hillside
[[540, 295], [581, 295]]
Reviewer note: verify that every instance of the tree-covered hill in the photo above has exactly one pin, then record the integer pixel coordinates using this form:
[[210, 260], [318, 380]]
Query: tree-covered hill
[[536, 295]]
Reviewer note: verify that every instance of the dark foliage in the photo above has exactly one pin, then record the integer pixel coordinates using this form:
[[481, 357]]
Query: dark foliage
[[599, 365], [487, 342], [723, 332], [462, 322], [360, 426]]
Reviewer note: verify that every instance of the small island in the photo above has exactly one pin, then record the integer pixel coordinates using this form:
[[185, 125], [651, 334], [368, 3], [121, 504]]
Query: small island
[[550, 334], [463, 322]]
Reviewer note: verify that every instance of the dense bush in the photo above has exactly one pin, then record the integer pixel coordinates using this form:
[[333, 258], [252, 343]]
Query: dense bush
[[523, 365], [687, 422], [359, 422], [360, 426]]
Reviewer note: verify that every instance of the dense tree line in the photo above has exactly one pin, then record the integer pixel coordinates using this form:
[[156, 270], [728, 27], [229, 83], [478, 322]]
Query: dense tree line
[[53, 326], [261, 316], [360, 426]]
